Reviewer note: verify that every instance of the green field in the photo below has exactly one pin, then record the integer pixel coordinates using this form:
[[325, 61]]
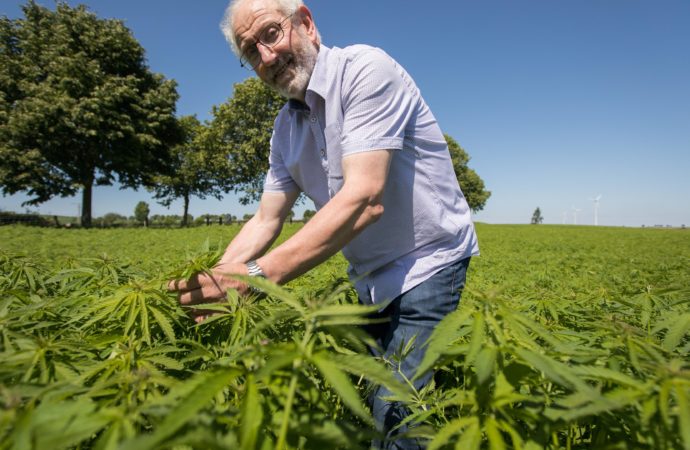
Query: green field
[[566, 337]]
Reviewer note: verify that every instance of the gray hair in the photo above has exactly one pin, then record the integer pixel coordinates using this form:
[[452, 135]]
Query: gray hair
[[284, 6]]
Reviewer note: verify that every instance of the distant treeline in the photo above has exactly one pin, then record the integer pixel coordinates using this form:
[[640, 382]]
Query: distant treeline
[[114, 220]]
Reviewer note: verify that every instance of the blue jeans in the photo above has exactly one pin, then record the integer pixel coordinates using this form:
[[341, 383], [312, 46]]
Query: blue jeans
[[412, 314]]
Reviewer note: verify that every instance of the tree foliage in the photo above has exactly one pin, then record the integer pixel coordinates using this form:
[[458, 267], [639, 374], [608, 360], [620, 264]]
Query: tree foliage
[[241, 131], [78, 106], [308, 214], [197, 169], [537, 218], [471, 184], [141, 213]]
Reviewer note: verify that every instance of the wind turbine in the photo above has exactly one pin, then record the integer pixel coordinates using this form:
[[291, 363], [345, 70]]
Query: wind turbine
[[575, 211], [596, 208], [565, 216]]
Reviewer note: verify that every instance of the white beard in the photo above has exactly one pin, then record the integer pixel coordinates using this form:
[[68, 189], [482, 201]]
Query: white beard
[[300, 65]]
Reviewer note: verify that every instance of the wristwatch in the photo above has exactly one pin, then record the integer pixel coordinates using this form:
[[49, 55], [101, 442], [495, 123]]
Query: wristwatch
[[255, 271]]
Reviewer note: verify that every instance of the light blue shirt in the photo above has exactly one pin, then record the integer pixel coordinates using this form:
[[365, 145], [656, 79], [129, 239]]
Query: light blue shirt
[[359, 99]]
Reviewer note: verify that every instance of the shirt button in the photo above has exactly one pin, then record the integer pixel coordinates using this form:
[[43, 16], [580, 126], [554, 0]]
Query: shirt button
[[313, 119], [323, 153]]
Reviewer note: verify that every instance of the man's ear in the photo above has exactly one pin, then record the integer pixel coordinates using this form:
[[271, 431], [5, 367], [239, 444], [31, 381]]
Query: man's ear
[[307, 20]]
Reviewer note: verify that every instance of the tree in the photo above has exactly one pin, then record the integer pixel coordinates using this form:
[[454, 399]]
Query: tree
[[308, 214], [78, 106], [141, 213], [111, 219], [197, 169], [537, 217], [241, 130], [471, 184]]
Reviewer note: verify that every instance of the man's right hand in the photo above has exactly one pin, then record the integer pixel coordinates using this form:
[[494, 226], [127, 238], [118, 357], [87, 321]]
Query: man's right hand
[[210, 287]]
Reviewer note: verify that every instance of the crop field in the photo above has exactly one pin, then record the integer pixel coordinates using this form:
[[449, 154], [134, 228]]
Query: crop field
[[567, 337]]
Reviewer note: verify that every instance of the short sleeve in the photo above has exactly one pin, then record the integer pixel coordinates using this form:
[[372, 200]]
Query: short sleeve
[[378, 102], [278, 178]]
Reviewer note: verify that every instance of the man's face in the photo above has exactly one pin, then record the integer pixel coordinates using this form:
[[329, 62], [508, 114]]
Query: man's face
[[286, 65]]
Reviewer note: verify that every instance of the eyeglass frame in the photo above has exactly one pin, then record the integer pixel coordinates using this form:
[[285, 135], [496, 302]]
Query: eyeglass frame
[[244, 61]]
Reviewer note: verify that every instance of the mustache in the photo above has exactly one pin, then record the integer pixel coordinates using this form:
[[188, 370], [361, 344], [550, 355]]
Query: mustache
[[280, 65]]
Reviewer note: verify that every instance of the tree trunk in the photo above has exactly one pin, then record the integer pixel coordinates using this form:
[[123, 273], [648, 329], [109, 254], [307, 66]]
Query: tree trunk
[[86, 204], [186, 208]]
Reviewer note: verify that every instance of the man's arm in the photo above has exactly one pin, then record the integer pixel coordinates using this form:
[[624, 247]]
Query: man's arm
[[357, 205], [257, 235]]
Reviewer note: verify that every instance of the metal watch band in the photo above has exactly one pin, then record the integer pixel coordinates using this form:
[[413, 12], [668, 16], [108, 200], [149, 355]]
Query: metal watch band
[[254, 269]]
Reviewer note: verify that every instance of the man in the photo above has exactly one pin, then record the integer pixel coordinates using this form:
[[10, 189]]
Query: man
[[359, 140]]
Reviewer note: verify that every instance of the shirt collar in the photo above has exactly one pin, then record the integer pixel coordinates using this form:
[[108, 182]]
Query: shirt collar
[[318, 83], [297, 105]]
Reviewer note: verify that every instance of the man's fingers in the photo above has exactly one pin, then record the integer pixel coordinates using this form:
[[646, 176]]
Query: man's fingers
[[205, 294], [197, 281], [185, 285], [199, 315]]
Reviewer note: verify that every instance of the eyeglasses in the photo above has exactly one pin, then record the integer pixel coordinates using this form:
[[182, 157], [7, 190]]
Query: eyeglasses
[[269, 36]]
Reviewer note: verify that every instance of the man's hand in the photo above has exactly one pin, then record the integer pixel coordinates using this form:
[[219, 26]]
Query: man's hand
[[209, 288]]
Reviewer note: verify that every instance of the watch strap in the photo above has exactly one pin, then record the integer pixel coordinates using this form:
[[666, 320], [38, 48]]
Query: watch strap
[[254, 270]]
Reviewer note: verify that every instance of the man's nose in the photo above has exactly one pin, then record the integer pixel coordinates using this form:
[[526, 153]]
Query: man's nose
[[268, 55]]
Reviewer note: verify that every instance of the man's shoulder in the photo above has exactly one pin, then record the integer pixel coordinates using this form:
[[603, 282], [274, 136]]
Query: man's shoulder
[[356, 51]]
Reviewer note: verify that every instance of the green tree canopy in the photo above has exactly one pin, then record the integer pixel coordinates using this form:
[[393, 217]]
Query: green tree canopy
[[471, 184], [537, 218], [197, 168], [308, 214], [141, 213], [241, 130], [78, 106]]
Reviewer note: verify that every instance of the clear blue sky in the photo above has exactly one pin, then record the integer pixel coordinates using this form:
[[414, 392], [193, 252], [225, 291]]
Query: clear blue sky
[[555, 101]]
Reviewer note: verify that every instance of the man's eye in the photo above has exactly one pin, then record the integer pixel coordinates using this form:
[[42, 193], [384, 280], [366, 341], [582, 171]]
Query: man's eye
[[270, 35], [251, 51]]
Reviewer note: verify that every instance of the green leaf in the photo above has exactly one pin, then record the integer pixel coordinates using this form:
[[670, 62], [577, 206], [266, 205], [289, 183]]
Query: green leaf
[[341, 383], [471, 438], [554, 370], [344, 310], [65, 424], [485, 362], [664, 402], [372, 370], [445, 333], [677, 329], [251, 415], [163, 323], [683, 412], [165, 361], [477, 338], [606, 374], [207, 386], [448, 430], [274, 291], [493, 434]]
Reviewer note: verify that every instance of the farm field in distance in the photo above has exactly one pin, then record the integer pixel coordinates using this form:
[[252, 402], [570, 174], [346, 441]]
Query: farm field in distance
[[567, 337]]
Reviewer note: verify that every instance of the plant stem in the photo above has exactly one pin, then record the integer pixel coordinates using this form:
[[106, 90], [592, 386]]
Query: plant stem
[[286, 414], [297, 363]]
